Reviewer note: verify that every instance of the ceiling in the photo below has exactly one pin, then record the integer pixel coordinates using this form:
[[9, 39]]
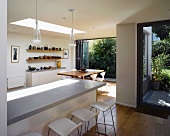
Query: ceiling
[[98, 18]]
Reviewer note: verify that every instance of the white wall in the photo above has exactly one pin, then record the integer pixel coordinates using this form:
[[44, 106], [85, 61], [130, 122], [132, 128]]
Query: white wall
[[149, 42], [3, 72], [18, 69], [126, 82]]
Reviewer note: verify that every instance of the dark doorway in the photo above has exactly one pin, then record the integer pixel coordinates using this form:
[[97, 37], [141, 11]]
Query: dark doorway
[[152, 66]]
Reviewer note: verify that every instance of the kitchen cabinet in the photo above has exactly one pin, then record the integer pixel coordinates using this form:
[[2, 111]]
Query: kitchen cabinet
[[34, 78]]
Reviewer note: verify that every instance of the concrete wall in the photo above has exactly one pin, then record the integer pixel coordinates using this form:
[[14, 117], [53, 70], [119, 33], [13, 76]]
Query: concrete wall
[[3, 72], [23, 41], [126, 81]]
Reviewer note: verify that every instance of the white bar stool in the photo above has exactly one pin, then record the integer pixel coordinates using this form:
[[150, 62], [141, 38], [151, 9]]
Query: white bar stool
[[32, 134], [64, 126], [85, 116], [102, 106]]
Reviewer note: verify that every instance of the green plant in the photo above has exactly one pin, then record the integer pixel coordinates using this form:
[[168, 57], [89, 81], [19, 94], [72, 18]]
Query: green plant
[[103, 56], [165, 81], [158, 64]]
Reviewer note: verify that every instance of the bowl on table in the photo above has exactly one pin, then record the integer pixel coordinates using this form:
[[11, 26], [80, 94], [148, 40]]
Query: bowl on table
[[83, 69]]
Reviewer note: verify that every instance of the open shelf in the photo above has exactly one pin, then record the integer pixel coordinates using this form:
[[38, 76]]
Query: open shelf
[[43, 51], [40, 60]]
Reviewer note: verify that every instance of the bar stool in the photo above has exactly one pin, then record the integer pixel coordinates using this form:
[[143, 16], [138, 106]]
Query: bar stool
[[85, 116], [64, 126], [32, 134], [102, 106]]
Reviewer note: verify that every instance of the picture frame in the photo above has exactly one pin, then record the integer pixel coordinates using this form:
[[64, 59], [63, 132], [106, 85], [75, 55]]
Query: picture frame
[[66, 53], [15, 51]]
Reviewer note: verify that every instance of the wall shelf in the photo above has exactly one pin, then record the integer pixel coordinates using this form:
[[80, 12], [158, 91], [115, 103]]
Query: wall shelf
[[43, 51], [41, 60]]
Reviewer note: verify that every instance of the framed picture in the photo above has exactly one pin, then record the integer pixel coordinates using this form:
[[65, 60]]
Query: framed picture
[[15, 50], [66, 53]]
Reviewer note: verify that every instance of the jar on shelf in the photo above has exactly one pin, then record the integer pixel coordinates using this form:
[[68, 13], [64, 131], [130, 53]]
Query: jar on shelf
[[58, 64]]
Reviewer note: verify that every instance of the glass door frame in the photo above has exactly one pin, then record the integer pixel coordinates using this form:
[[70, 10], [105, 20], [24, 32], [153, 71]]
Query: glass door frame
[[140, 102]]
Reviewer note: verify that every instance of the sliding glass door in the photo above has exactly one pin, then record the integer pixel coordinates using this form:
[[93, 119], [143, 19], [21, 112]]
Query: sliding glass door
[[82, 54]]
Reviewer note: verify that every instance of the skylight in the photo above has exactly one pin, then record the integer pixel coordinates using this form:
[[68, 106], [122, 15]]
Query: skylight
[[29, 22]]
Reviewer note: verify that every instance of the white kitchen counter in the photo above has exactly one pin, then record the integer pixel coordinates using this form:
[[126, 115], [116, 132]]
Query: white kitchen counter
[[36, 101]]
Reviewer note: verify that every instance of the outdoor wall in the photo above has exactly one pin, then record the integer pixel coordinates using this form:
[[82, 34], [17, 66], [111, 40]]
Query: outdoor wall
[[23, 41], [126, 81], [149, 42], [3, 72]]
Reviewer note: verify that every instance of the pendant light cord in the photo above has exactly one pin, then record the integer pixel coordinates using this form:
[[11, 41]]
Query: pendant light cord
[[72, 19], [36, 16]]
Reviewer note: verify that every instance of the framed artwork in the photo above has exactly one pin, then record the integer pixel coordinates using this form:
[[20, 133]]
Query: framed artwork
[[15, 50], [66, 53]]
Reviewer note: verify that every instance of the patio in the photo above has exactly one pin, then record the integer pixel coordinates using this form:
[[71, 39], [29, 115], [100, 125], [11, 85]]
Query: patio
[[159, 98]]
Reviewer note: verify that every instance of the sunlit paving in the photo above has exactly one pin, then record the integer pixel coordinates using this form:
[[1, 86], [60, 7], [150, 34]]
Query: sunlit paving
[[109, 89], [164, 103]]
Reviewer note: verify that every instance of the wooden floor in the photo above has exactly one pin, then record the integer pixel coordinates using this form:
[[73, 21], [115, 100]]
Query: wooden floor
[[131, 123]]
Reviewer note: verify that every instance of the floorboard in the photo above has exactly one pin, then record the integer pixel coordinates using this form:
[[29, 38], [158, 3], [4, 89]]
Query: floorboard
[[128, 122]]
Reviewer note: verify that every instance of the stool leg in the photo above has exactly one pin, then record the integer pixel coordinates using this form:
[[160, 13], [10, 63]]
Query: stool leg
[[81, 130], [85, 127], [72, 117], [88, 126], [104, 122], [78, 131], [113, 121], [49, 131], [97, 129]]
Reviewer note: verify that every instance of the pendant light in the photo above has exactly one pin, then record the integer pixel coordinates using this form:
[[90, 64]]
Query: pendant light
[[72, 32], [36, 35]]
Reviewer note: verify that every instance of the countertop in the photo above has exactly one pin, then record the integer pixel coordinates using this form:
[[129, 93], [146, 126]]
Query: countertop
[[45, 70], [22, 104]]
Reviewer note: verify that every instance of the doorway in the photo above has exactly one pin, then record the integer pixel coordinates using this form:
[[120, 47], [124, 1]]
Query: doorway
[[153, 67]]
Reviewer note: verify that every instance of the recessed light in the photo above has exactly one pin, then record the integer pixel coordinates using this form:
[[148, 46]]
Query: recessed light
[[29, 22]]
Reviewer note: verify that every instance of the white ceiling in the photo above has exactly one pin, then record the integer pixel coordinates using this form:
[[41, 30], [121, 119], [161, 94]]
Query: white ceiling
[[98, 18]]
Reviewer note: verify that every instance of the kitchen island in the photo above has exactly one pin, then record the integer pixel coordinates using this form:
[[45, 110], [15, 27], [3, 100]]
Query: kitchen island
[[31, 109]]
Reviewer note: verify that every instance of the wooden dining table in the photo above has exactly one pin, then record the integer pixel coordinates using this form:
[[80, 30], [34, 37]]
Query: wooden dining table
[[79, 73]]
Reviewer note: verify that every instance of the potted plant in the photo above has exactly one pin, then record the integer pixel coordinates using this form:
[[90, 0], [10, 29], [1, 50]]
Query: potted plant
[[158, 64], [165, 81]]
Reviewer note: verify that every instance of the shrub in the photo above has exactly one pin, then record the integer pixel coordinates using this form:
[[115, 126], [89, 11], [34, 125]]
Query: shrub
[[158, 64]]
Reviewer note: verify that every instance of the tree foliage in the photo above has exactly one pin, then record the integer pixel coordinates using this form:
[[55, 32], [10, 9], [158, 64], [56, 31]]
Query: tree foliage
[[103, 56], [161, 31], [159, 47]]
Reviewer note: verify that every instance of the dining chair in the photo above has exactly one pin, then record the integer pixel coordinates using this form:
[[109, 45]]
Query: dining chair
[[93, 76], [101, 79]]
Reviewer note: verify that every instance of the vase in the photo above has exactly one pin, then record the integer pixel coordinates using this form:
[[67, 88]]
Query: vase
[[58, 64]]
